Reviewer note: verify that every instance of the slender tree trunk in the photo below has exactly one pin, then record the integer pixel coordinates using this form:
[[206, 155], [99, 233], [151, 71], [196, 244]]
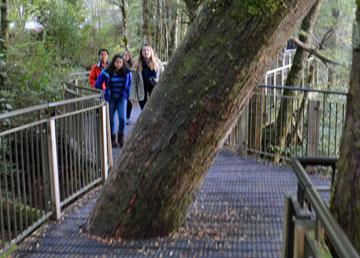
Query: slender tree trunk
[[174, 29], [166, 31], [292, 137], [158, 27], [4, 26], [284, 116], [333, 42], [146, 22], [198, 99], [345, 203], [123, 8]]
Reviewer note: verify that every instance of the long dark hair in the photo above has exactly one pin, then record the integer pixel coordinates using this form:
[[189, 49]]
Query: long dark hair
[[112, 70]]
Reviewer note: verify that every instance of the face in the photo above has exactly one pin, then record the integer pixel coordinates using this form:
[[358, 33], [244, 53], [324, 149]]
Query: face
[[126, 56], [146, 52], [104, 56], [118, 63]]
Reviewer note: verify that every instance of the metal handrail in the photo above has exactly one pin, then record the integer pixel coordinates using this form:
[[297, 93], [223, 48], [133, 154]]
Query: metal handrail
[[35, 108], [335, 234], [305, 89]]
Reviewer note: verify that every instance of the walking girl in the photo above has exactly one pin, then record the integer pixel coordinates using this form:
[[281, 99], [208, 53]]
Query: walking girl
[[146, 75], [117, 79]]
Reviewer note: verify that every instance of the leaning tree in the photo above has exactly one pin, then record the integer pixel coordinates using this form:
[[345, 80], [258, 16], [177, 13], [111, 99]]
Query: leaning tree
[[205, 85]]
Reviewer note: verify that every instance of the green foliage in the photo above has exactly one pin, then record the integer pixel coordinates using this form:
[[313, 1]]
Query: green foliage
[[35, 75], [337, 14]]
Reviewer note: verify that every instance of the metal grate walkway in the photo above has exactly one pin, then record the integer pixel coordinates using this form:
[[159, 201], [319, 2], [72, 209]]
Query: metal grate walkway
[[238, 212]]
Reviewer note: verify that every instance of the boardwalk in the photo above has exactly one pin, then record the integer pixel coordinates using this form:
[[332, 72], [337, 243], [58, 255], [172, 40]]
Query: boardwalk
[[238, 212]]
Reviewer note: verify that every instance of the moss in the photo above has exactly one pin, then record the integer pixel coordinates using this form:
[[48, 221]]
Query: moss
[[245, 8], [9, 252]]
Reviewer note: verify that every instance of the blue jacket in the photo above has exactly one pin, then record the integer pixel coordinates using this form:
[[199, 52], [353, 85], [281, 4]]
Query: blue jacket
[[104, 77]]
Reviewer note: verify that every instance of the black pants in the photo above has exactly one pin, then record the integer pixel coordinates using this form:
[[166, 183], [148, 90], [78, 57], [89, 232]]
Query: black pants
[[128, 109], [148, 88]]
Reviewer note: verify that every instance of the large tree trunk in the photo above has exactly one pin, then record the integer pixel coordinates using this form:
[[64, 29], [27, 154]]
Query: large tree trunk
[[345, 204], [284, 116], [198, 99], [4, 26]]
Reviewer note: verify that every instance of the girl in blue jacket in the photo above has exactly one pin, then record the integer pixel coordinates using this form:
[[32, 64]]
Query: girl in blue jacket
[[117, 79]]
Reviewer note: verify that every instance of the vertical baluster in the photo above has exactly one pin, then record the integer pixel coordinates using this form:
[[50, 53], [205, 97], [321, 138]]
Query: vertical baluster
[[13, 192], [62, 179], [38, 167], [67, 168], [336, 125], [33, 171], [18, 182], [329, 139], [2, 202], [323, 126], [264, 146], [70, 143], [22, 151], [7, 198]]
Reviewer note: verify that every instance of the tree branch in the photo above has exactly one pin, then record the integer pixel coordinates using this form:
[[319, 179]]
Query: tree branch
[[314, 52]]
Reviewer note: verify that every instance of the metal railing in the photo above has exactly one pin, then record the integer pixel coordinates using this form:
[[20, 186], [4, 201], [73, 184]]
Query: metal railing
[[314, 130], [309, 228], [278, 71], [49, 155]]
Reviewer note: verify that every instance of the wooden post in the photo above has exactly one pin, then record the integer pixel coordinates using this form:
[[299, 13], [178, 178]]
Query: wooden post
[[299, 241], [103, 143], [288, 229], [256, 123], [313, 128], [242, 141], [54, 172]]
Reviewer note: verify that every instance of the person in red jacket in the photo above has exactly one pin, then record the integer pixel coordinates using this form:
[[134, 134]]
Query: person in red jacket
[[97, 68]]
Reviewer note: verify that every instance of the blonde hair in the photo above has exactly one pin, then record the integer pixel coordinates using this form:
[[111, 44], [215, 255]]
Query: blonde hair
[[153, 60]]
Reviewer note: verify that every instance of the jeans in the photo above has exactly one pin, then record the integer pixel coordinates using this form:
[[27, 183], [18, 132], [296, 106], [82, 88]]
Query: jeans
[[128, 109], [119, 105]]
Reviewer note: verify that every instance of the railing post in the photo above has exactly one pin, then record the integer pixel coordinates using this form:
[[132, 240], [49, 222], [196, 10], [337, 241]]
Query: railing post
[[242, 141], [54, 171], [313, 128], [256, 123], [104, 144], [288, 229], [111, 162]]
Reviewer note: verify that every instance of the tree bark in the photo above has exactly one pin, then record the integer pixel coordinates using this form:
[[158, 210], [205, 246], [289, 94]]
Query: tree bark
[[4, 27], [199, 97], [284, 116], [345, 203], [192, 7]]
